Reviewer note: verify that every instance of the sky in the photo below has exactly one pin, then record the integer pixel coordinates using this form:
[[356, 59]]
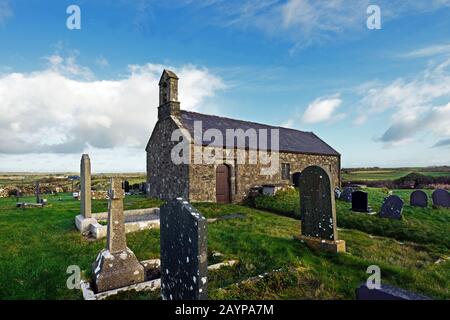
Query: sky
[[380, 97]]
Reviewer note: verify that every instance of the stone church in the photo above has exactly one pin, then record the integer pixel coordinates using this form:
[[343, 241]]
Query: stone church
[[226, 180]]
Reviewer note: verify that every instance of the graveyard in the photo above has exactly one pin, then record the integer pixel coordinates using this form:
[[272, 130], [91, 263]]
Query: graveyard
[[413, 253]]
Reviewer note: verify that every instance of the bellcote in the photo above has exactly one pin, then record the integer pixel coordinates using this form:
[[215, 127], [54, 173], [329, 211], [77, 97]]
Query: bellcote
[[168, 95]]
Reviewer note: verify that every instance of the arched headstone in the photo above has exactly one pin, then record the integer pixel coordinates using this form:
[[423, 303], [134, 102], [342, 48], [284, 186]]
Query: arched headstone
[[392, 208], [360, 201], [317, 210], [347, 194], [418, 199], [441, 198]]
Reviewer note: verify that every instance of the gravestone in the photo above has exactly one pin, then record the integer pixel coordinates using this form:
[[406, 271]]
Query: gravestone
[[184, 264], [392, 208], [347, 194], [441, 198], [419, 199], [38, 192], [126, 186], [84, 219], [386, 292], [296, 179], [116, 266], [337, 193], [317, 211], [360, 201], [85, 186], [268, 189]]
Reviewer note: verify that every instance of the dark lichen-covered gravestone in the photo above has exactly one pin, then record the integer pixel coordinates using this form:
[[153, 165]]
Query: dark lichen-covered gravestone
[[419, 199], [184, 264], [317, 210], [441, 198], [360, 201], [116, 266], [392, 208], [346, 194]]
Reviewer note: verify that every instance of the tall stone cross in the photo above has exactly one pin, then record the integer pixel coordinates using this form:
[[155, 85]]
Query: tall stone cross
[[116, 266], [116, 221], [85, 186]]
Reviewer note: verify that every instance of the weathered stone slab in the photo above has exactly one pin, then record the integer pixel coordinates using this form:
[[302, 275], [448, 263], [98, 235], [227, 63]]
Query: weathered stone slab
[[392, 208], [441, 198], [183, 252], [116, 266], [419, 199], [84, 224], [318, 211], [386, 292], [360, 201], [85, 186]]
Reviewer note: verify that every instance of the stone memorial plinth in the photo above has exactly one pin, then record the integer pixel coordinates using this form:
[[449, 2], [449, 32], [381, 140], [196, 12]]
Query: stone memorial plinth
[[116, 266], [318, 211]]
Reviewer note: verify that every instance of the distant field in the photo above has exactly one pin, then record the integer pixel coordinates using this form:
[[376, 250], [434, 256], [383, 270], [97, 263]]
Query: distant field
[[99, 180], [387, 174]]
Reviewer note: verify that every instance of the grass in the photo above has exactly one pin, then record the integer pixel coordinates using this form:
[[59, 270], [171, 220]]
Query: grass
[[429, 226], [39, 244], [387, 174]]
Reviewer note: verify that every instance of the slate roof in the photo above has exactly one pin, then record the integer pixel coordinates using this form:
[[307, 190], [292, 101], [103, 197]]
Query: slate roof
[[291, 140]]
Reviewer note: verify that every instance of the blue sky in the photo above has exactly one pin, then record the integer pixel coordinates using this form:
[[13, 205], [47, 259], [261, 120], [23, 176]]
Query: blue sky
[[380, 97]]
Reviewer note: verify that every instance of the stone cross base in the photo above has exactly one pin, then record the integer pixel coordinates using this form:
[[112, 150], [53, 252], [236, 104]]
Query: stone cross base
[[322, 244], [84, 224], [116, 270]]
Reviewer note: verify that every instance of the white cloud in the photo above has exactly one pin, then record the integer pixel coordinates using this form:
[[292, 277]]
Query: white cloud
[[102, 62], [428, 51], [323, 110], [419, 104], [63, 109], [5, 11], [307, 22]]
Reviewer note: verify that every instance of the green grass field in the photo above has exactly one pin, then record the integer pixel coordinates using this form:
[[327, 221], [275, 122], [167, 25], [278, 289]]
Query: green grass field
[[388, 174], [39, 244]]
